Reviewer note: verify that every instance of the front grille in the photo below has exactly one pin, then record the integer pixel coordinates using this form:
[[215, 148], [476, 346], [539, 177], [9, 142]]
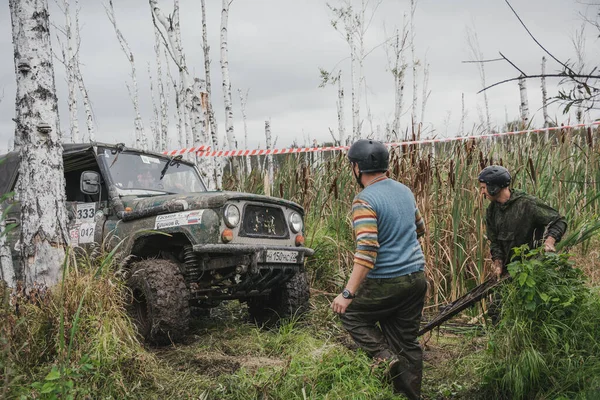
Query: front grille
[[264, 221]]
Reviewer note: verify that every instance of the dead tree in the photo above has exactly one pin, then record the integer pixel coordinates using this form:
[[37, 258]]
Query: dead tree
[[415, 63], [524, 107], [545, 97], [243, 100], [206, 49], [476, 53], [41, 185], [68, 60], [163, 100], [226, 81], [397, 65], [340, 112], [87, 105], [140, 136], [189, 114]]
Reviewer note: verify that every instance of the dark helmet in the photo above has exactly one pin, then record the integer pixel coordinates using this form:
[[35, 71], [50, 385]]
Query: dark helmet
[[370, 155], [495, 178]]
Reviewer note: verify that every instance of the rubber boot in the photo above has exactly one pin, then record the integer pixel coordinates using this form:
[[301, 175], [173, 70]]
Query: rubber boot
[[406, 380]]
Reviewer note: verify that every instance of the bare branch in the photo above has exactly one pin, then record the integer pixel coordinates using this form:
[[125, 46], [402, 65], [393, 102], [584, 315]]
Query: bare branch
[[561, 75], [513, 64], [536, 41]]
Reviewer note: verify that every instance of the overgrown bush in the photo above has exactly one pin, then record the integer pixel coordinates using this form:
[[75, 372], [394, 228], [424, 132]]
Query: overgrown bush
[[547, 343]]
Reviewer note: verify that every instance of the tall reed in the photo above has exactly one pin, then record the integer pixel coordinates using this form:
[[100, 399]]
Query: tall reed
[[564, 171]]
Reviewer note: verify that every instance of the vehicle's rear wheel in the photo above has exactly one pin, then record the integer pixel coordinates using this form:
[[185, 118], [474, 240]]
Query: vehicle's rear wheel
[[288, 300], [158, 301]]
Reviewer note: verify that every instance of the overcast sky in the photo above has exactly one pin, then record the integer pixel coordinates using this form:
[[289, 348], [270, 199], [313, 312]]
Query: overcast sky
[[276, 48]]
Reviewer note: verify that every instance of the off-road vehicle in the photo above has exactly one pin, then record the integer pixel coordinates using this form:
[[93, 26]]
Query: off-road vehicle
[[181, 247]]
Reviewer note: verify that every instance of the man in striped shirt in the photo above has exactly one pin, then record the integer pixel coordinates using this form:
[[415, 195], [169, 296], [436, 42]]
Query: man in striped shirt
[[383, 300]]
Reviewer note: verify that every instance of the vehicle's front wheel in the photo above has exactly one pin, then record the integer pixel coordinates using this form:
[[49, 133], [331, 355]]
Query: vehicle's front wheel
[[288, 300], [158, 301]]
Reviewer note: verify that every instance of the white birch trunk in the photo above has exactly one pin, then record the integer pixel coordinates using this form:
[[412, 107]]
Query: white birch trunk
[[413, 9], [524, 107], [7, 269], [206, 49], [426, 91], [186, 81], [545, 97], [160, 87], [243, 100], [398, 72], [140, 136], [87, 106], [226, 81], [41, 185], [463, 115], [340, 112], [69, 62], [216, 180], [270, 173], [154, 126]]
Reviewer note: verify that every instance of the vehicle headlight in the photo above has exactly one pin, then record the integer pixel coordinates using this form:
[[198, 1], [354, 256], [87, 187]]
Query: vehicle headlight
[[232, 216], [296, 222]]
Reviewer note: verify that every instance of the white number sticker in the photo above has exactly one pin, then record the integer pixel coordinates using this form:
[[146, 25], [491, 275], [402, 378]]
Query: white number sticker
[[86, 212], [86, 233]]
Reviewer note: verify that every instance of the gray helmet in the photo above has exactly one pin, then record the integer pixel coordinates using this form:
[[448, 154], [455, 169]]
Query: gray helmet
[[370, 155], [495, 178]]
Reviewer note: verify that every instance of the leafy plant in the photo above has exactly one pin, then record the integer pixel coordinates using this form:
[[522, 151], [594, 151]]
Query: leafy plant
[[549, 333]]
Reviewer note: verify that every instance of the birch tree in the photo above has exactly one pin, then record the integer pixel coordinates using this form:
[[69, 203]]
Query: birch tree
[[545, 97], [353, 26], [397, 66], [68, 60], [345, 15], [415, 63], [7, 270], [524, 106], [160, 87], [473, 42], [225, 72], [243, 100], [41, 186], [340, 112], [87, 105], [189, 115], [140, 137], [270, 172], [206, 50]]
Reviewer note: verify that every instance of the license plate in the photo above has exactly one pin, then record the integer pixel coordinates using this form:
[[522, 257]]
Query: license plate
[[282, 256]]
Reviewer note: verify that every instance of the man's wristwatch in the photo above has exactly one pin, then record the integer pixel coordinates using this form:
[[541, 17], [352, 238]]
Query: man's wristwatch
[[347, 294]]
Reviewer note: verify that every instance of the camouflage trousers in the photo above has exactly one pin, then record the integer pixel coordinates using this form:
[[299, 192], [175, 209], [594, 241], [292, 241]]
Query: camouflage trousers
[[384, 320]]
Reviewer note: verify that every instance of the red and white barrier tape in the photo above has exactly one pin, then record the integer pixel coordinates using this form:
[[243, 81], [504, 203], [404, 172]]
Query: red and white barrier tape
[[188, 150], [204, 151]]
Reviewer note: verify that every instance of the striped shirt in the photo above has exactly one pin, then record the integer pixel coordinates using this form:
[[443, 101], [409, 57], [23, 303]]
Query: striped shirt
[[364, 218]]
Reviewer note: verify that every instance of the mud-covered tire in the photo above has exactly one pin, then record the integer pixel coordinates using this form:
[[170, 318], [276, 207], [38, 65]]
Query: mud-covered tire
[[158, 301], [291, 299]]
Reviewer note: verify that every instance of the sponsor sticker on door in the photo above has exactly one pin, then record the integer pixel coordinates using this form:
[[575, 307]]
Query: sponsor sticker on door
[[178, 219]]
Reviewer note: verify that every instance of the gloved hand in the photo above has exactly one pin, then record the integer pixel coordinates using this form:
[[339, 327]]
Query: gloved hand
[[498, 268]]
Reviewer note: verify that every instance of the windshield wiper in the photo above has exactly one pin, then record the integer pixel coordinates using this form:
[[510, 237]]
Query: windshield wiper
[[172, 161]]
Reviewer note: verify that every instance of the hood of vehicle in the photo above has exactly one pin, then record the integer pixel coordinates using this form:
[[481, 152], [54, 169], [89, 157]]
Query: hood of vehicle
[[196, 201]]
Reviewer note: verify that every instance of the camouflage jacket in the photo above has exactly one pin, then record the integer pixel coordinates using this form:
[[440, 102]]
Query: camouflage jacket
[[523, 219]]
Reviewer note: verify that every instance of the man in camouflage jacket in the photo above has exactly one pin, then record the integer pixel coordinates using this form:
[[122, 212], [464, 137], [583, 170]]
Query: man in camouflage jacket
[[515, 218]]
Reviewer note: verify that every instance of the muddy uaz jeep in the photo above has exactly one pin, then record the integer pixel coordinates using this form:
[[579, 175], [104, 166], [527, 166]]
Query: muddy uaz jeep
[[181, 248]]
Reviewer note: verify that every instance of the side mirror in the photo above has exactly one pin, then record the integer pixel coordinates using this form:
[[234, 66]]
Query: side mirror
[[90, 182]]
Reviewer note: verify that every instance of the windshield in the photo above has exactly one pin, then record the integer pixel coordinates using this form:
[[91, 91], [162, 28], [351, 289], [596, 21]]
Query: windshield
[[142, 174]]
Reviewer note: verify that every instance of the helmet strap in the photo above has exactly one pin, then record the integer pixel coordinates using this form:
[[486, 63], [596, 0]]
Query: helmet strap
[[358, 177]]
